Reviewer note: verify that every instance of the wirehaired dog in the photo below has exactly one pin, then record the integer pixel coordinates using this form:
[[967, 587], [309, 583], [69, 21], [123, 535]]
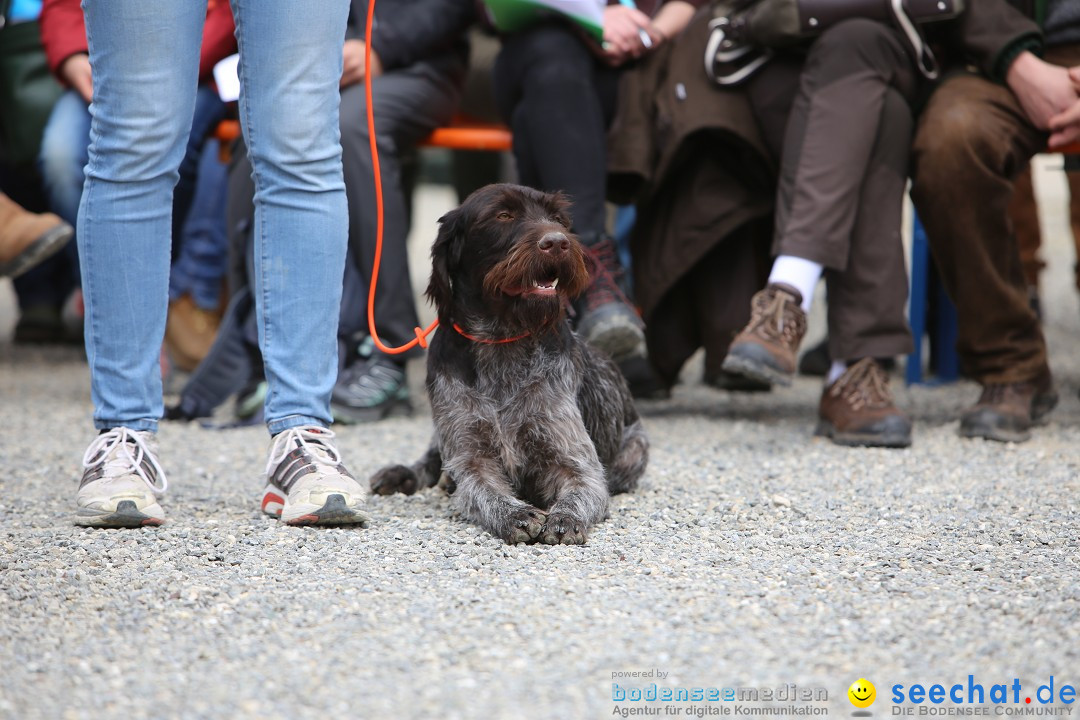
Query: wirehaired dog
[[533, 428]]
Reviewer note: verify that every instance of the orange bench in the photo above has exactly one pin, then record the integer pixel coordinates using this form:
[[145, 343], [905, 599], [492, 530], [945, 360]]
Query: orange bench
[[461, 134]]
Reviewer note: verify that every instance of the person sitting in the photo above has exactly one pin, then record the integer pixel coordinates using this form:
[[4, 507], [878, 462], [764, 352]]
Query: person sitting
[[978, 131], [842, 147], [557, 91]]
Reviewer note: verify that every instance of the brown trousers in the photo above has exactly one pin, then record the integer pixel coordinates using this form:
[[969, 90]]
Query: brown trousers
[[841, 124], [972, 140]]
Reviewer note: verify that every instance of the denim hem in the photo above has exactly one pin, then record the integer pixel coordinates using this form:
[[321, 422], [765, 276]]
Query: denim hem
[[141, 425], [292, 421]]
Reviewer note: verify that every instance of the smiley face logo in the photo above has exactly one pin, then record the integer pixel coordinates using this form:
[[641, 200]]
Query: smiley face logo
[[862, 693]]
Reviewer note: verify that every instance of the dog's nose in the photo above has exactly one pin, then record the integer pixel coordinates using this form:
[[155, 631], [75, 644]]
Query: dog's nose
[[554, 243]]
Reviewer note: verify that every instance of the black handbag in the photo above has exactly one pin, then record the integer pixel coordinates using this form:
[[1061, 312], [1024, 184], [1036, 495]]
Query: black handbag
[[744, 33]]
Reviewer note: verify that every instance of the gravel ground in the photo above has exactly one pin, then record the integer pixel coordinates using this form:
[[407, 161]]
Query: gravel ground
[[754, 555]]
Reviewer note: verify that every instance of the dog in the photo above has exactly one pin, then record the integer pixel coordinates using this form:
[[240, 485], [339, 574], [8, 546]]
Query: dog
[[534, 429]]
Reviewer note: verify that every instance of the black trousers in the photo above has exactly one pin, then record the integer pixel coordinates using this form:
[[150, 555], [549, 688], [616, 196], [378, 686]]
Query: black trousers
[[558, 99], [840, 123]]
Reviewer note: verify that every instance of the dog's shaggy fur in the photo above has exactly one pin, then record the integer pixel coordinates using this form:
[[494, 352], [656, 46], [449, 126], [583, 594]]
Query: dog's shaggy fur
[[534, 434]]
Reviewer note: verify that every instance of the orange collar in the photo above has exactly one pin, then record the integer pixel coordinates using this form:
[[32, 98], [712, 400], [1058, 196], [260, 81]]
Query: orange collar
[[485, 341]]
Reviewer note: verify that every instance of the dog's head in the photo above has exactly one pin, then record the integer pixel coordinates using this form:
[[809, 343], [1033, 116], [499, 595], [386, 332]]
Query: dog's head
[[506, 258]]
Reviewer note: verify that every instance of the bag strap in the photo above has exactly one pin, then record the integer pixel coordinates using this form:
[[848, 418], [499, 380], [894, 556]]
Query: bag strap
[[720, 49], [924, 56]]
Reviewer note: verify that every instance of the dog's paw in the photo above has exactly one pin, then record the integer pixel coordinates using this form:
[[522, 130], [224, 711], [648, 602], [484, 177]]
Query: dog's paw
[[395, 479], [524, 525], [563, 529]]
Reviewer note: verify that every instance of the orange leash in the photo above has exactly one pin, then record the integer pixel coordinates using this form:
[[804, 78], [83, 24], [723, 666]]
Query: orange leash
[[421, 334]]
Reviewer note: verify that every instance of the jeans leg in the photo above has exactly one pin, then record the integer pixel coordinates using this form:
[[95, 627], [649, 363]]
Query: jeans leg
[[145, 61], [64, 154], [290, 65]]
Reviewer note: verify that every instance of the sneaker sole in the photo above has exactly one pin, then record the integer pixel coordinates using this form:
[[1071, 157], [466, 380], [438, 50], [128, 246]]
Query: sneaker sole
[[126, 515], [347, 415], [333, 512], [755, 370], [41, 249], [894, 440]]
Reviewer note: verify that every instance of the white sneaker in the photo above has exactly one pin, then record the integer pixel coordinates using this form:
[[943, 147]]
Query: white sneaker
[[306, 482], [121, 481]]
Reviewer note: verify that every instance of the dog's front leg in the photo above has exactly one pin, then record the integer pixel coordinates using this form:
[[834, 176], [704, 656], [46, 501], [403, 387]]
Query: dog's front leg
[[485, 497], [581, 502]]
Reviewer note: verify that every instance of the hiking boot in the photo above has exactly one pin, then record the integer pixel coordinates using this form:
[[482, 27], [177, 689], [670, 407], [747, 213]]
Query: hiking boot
[[765, 349], [122, 481], [371, 388], [190, 332], [606, 319], [27, 238], [858, 409], [306, 482], [1005, 412]]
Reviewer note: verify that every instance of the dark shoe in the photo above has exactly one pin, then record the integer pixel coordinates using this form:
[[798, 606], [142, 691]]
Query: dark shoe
[[858, 409], [1006, 412], [371, 388], [605, 317], [736, 383], [39, 324], [816, 362], [765, 349], [27, 238], [642, 380]]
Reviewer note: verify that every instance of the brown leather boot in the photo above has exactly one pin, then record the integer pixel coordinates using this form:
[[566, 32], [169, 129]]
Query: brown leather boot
[[765, 349], [27, 238], [858, 409], [1006, 412]]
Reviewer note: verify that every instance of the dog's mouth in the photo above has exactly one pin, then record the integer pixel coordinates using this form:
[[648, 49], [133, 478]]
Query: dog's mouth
[[547, 287]]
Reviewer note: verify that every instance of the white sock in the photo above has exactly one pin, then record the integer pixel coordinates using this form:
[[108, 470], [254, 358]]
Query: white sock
[[800, 274], [835, 371]]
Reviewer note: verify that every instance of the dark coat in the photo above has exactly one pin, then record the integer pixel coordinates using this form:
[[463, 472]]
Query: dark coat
[[691, 157]]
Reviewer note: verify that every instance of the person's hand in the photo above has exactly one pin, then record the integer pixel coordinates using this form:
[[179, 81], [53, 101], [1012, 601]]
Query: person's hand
[[1044, 90], [353, 69], [624, 28], [1065, 126], [76, 72]]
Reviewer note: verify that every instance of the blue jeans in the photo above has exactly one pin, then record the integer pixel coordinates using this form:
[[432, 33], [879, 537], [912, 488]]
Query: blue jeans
[[142, 112]]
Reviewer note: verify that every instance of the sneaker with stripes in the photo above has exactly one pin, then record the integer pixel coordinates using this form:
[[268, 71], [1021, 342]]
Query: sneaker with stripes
[[122, 481], [306, 482]]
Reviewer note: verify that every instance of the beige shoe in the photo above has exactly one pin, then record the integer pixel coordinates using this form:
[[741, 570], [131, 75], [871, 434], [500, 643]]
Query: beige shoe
[[858, 409], [766, 348], [27, 238]]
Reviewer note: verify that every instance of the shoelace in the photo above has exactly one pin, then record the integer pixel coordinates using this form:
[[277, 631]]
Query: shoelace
[[769, 314], [113, 451], [314, 440], [863, 384], [604, 286]]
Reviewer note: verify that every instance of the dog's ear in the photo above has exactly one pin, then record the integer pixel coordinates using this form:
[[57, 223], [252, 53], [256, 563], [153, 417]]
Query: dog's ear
[[445, 256]]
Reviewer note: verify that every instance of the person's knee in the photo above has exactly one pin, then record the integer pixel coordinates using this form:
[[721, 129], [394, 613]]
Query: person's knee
[[950, 137], [855, 39]]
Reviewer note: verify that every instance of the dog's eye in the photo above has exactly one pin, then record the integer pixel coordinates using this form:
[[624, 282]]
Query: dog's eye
[[562, 220], [504, 216]]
